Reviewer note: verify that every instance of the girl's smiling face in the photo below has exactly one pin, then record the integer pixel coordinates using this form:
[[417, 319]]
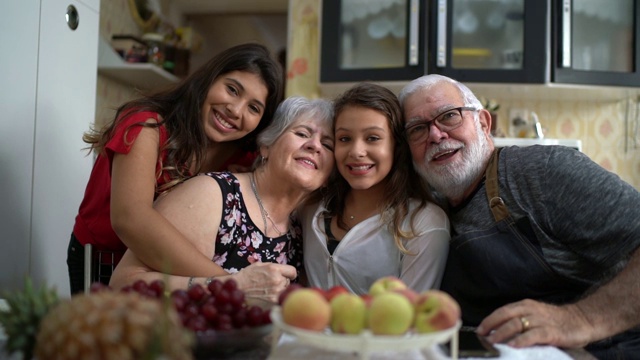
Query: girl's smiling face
[[364, 147], [234, 105]]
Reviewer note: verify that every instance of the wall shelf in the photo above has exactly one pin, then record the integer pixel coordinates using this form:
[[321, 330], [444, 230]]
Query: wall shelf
[[142, 76]]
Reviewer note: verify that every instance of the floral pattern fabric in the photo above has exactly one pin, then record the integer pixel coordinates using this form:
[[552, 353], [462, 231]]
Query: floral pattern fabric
[[240, 242]]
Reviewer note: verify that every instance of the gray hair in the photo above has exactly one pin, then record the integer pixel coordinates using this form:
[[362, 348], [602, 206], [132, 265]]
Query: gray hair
[[291, 111], [426, 82]]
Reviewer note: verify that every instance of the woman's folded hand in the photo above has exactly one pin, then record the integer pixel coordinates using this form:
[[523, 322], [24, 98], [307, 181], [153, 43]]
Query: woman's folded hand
[[265, 280]]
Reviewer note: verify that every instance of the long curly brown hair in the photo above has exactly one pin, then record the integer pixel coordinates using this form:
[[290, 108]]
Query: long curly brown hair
[[180, 109]]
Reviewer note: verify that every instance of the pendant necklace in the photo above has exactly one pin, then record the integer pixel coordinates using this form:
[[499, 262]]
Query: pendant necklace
[[263, 211], [351, 217]]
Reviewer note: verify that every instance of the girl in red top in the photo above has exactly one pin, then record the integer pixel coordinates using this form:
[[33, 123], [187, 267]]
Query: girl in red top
[[205, 123]]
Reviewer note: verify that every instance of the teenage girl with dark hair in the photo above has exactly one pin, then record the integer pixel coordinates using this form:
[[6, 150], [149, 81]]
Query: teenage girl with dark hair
[[205, 123]]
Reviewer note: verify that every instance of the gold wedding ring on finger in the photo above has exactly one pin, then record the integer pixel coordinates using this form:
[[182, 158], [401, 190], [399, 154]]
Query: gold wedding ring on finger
[[525, 323]]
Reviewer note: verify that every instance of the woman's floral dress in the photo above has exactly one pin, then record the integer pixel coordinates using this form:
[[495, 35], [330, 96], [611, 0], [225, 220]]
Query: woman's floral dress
[[240, 242]]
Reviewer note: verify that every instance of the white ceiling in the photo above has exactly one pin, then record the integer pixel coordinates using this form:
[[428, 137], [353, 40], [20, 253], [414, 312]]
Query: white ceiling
[[230, 6]]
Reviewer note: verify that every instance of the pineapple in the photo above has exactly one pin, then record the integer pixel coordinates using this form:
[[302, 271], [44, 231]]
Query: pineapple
[[112, 325], [26, 310]]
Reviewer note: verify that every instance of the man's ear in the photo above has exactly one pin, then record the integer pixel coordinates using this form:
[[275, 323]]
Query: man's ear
[[485, 120]]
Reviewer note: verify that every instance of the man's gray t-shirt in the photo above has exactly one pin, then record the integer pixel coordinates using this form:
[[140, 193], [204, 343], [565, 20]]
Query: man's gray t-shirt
[[586, 219]]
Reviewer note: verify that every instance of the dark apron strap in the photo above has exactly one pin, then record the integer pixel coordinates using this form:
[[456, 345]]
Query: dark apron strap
[[497, 206]]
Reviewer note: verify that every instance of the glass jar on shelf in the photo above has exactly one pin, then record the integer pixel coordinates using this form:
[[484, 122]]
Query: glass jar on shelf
[[156, 49]]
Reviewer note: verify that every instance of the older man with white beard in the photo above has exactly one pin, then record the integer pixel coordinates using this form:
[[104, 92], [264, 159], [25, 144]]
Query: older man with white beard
[[544, 242]]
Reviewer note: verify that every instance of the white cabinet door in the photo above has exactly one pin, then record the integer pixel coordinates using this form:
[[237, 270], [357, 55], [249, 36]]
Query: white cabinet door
[[67, 75], [18, 71]]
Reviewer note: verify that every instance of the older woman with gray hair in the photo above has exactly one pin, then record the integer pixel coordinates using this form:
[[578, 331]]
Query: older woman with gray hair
[[243, 221]]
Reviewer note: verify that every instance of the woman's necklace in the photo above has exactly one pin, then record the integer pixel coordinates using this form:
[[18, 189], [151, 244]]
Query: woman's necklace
[[263, 211]]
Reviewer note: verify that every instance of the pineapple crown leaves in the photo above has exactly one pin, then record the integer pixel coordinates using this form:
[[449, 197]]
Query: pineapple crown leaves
[[22, 320]]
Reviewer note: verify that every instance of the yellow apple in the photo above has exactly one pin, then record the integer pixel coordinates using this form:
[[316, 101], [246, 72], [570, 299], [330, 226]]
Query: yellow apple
[[390, 313], [384, 284], [348, 314]]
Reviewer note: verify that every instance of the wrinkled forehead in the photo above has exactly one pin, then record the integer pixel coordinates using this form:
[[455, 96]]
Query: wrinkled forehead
[[429, 102]]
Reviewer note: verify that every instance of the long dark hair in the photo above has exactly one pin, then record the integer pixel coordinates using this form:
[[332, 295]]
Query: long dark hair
[[181, 108], [403, 182]]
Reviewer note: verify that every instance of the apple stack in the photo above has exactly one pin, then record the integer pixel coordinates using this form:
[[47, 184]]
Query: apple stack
[[390, 308]]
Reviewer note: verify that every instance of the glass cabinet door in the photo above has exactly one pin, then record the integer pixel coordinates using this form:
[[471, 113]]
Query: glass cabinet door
[[372, 40], [487, 34], [492, 40], [373, 34], [597, 42]]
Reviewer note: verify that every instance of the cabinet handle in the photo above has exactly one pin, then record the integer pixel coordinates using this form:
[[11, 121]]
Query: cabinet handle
[[441, 34], [72, 17], [413, 32], [566, 33]]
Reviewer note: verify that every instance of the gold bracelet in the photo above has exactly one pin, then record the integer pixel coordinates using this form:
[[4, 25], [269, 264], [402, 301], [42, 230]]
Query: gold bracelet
[[190, 283]]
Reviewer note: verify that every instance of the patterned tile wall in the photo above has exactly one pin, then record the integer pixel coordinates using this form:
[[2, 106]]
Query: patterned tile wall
[[609, 136]]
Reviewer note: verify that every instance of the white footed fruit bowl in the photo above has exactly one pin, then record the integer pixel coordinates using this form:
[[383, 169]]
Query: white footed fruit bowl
[[366, 342]]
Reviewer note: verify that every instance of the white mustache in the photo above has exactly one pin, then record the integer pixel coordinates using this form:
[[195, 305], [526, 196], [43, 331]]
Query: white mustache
[[445, 146]]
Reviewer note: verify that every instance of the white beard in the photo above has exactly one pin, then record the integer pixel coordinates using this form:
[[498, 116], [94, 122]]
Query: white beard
[[454, 179]]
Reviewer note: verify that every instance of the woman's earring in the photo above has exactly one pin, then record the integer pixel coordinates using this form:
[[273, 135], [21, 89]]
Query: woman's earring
[[263, 160]]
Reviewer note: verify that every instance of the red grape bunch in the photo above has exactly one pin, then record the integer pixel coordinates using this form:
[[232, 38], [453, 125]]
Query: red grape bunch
[[220, 306]]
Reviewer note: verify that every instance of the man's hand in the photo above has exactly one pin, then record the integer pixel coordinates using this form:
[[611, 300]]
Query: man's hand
[[528, 322]]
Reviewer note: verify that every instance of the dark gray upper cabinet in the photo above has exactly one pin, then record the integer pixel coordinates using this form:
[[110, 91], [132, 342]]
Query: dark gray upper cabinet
[[588, 42], [377, 40], [596, 42]]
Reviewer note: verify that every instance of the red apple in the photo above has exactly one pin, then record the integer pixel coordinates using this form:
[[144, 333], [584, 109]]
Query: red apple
[[367, 299], [283, 295], [411, 295], [306, 309], [319, 291], [335, 290], [435, 311]]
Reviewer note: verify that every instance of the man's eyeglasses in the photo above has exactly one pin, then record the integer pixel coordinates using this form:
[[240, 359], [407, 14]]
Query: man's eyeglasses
[[447, 121]]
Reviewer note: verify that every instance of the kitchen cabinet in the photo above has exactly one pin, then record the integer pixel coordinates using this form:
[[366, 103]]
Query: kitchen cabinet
[[491, 41], [537, 41], [597, 43], [582, 48], [376, 40], [48, 102]]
